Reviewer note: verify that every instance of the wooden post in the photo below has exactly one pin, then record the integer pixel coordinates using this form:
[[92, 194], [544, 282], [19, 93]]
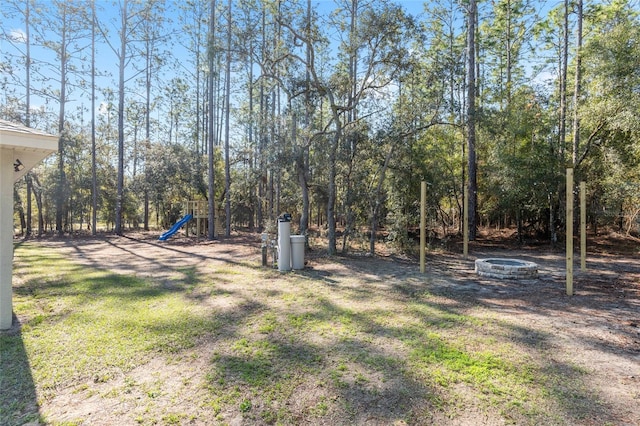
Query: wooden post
[[423, 224], [569, 232], [583, 226], [465, 224]]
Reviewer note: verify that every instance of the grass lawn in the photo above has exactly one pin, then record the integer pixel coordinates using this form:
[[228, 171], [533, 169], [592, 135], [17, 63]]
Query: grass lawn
[[234, 344]]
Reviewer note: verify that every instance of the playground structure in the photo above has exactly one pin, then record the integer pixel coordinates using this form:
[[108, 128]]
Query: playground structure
[[199, 212], [175, 228], [195, 220]]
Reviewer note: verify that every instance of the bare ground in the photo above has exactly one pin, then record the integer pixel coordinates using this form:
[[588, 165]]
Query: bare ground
[[597, 329]]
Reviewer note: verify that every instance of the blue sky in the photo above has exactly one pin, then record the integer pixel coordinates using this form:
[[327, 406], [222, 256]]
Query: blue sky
[[106, 60]]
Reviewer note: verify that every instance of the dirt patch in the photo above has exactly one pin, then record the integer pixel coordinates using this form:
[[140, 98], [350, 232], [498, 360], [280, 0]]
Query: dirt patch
[[596, 331]]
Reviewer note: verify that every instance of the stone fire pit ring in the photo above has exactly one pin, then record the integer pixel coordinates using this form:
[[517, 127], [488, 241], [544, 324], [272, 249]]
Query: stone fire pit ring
[[502, 268]]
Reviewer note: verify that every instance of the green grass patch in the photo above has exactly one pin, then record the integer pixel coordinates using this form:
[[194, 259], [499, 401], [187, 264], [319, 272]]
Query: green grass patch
[[271, 349], [85, 324], [111, 323]]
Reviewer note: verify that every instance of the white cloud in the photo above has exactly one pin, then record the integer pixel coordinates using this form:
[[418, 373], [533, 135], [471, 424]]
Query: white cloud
[[18, 36]]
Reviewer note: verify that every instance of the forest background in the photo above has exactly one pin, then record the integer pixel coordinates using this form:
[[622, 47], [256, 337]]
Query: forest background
[[334, 111]]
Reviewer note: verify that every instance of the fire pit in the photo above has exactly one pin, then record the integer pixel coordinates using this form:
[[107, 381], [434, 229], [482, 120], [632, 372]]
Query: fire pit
[[506, 268]]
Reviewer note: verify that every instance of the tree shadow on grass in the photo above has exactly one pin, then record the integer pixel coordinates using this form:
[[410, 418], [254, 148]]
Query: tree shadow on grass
[[293, 376], [559, 384], [18, 398], [289, 382], [90, 288], [607, 295]]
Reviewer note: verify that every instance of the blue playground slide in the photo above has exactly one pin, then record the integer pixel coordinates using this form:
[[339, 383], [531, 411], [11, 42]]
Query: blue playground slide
[[175, 228]]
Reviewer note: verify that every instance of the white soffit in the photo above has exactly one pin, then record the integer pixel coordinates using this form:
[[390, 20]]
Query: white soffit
[[30, 146]]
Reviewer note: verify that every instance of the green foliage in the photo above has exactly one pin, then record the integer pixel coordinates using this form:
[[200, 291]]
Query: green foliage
[[523, 171], [610, 114], [389, 85]]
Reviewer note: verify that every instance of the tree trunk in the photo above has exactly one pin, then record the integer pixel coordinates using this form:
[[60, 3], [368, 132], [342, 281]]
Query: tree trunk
[[94, 176], [227, 164], [211, 118], [577, 85], [18, 202], [253, 191], [303, 160], [563, 83], [121, 95], [559, 152], [376, 202], [331, 202], [28, 180], [37, 192], [147, 121], [60, 196], [352, 116], [471, 119], [27, 23], [29, 183]]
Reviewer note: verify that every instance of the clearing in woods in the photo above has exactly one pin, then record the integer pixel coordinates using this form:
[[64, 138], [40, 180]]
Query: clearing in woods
[[129, 330]]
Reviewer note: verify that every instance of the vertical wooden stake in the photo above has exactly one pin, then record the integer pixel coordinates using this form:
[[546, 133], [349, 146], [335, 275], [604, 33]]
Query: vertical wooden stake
[[465, 224], [423, 225], [569, 232], [583, 226]]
